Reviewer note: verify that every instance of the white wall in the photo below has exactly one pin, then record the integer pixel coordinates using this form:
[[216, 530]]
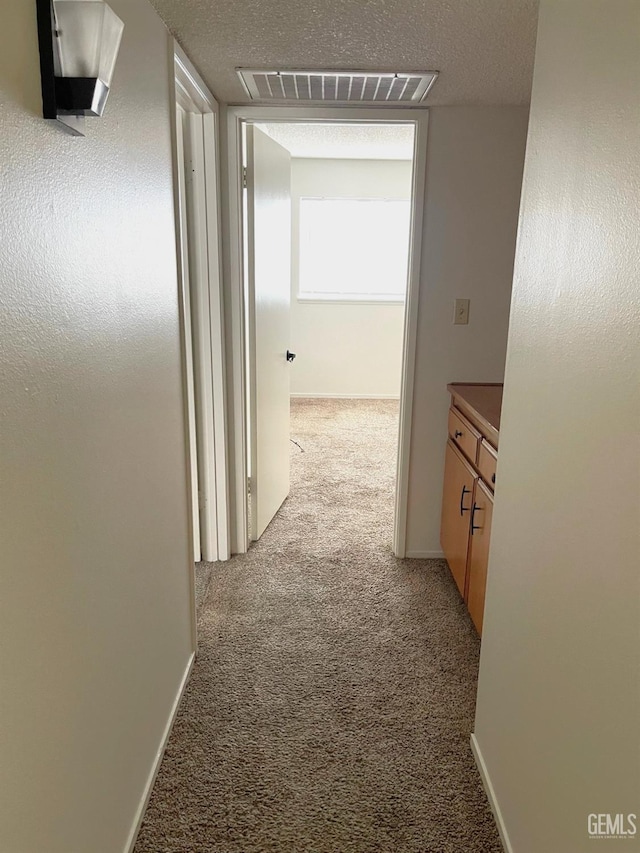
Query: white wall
[[345, 349], [474, 177], [558, 700], [95, 628]]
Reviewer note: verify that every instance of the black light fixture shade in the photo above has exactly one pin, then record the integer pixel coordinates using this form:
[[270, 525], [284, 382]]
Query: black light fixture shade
[[79, 41], [80, 96]]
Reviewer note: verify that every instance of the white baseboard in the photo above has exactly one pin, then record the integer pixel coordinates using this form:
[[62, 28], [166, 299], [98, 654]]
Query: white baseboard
[[424, 555], [346, 396], [491, 794], [144, 802]]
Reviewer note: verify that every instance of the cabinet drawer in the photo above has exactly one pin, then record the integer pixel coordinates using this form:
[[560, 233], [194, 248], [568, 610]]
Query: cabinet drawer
[[487, 460], [465, 436]]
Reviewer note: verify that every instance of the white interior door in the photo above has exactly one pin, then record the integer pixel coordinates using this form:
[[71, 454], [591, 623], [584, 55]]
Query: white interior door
[[269, 301]]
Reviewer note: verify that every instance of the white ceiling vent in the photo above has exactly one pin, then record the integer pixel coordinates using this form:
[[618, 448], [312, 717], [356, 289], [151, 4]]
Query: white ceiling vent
[[338, 87]]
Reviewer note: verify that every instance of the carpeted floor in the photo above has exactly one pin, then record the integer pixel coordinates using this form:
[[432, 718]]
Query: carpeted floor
[[331, 704], [204, 573]]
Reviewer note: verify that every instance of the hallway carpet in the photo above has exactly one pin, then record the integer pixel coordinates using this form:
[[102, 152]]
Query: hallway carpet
[[331, 704]]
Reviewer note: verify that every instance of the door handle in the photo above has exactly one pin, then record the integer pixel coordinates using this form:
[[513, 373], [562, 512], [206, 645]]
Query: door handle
[[290, 355], [475, 509], [464, 509]]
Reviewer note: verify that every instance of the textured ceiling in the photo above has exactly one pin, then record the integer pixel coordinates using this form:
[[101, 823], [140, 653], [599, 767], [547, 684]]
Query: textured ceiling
[[483, 48], [344, 141]]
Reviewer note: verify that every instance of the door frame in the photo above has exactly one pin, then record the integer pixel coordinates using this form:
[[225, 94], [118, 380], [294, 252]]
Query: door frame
[[187, 329], [236, 118], [202, 305]]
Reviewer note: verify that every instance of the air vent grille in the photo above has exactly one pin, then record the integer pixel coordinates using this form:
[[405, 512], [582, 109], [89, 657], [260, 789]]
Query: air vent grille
[[337, 87]]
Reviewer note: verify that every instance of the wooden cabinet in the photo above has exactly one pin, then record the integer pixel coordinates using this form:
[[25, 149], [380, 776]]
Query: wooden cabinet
[[457, 498], [467, 497], [481, 515]]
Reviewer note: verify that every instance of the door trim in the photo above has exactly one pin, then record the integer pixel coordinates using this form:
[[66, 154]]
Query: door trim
[[207, 309], [236, 118]]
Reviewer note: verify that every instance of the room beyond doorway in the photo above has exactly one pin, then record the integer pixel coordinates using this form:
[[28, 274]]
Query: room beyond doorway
[[350, 225]]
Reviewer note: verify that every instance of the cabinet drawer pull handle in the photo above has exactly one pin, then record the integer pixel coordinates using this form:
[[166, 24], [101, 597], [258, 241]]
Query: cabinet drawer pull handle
[[457, 434], [464, 509], [475, 509], [493, 478]]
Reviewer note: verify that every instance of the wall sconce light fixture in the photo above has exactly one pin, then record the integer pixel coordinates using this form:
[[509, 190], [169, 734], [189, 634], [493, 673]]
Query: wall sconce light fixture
[[79, 42]]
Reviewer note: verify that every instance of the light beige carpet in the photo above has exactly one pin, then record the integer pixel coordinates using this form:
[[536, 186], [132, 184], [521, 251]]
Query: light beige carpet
[[203, 575], [332, 701]]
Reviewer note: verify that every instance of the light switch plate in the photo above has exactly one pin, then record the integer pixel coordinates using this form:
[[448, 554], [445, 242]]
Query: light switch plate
[[461, 312]]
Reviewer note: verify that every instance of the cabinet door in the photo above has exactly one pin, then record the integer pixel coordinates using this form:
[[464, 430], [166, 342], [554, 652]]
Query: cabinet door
[[459, 480], [481, 516]]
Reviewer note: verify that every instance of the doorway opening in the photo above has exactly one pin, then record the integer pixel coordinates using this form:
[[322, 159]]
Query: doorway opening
[[196, 180], [329, 269]]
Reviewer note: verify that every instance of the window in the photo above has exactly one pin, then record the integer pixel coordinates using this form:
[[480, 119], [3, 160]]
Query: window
[[354, 249]]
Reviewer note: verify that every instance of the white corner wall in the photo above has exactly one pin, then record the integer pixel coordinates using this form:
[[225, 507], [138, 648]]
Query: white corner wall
[[558, 700], [345, 349], [95, 624], [474, 177]]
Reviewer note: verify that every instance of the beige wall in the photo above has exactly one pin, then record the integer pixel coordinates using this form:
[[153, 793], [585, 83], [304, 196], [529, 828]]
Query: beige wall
[[345, 348], [559, 700], [474, 175], [94, 593]]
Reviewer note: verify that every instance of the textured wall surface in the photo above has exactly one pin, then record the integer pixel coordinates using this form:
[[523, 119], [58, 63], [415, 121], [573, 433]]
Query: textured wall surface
[[345, 348], [558, 701], [474, 176], [483, 49], [94, 563]]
